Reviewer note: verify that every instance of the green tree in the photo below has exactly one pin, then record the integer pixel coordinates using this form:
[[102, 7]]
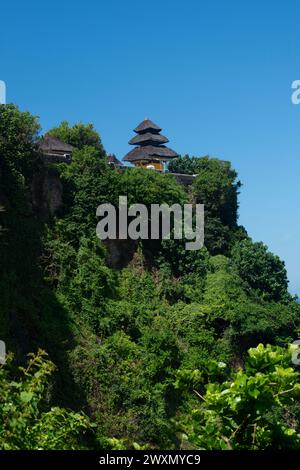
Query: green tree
[[216, 187], [79, 135], [149, 187], [92, 284], [249, 409], [18, 134], [184, 261], [261, 269], [87, 182], [184, 164]]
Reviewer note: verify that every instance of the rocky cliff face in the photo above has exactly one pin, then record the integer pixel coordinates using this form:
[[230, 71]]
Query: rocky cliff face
[[120, 252], [46, 192], [47, 201]]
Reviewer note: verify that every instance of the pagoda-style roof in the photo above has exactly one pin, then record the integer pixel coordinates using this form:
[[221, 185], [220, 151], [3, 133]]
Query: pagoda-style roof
[[147, 125], [50, 144], [148, 138], [149, 144], [150, 152]]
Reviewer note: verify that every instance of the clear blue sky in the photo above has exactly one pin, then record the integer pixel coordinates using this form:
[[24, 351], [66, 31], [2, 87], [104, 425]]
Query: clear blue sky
[[215, 75]]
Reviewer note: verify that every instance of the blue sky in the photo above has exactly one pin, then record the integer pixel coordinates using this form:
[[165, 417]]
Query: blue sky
[[215, 75]]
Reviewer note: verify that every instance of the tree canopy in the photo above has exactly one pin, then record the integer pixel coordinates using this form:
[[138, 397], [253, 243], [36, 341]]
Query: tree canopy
[[79, 135]]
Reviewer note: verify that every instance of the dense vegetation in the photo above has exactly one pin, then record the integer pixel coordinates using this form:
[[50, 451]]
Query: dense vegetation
[[160, 349]]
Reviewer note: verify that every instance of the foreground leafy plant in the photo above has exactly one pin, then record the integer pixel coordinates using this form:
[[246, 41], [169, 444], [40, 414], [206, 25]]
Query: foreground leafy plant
[[250, 411], [24, 423]]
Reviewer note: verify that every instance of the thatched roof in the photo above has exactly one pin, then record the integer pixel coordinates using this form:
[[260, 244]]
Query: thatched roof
[[52, 144], [149, 143], [146, 126], [150, 152], [112, 160], [148, 138]]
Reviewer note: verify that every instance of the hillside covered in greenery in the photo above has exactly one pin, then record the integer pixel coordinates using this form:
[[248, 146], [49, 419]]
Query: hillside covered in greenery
[[148, 345]]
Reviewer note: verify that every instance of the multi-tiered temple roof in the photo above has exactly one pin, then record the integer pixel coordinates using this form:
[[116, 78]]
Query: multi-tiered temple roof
[[150, 145]]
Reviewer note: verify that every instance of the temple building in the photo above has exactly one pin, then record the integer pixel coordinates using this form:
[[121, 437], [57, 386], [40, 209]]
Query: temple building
[[150, 151], [54, 150], [113, 161]]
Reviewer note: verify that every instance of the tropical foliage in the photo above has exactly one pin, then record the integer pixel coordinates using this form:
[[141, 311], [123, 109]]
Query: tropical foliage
[[132, 328]]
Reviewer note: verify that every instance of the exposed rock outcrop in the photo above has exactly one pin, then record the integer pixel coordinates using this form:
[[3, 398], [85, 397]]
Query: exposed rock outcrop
[[120, 252], [46, 192]]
